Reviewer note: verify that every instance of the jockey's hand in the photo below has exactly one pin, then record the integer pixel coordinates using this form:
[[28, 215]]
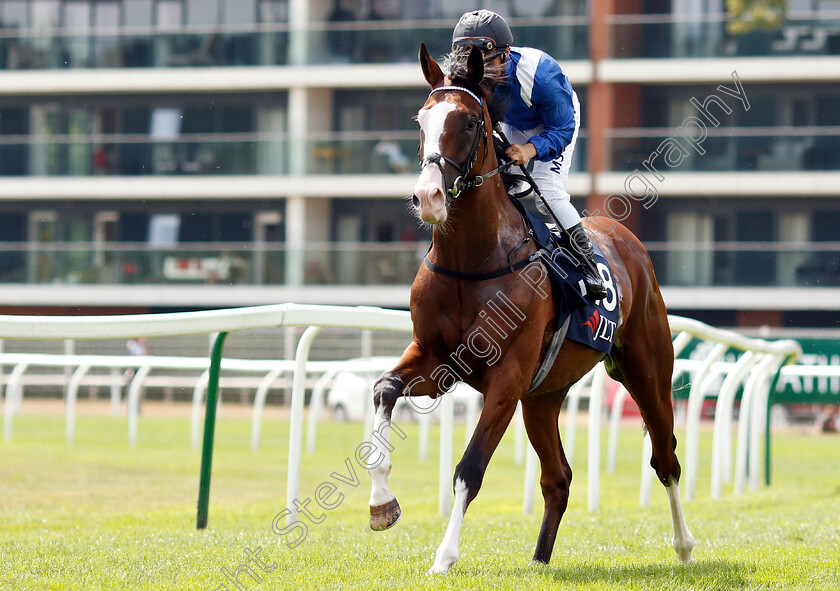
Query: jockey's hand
[[521, 154]]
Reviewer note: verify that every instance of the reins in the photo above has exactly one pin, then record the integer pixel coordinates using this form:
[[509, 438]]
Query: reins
[[459, 186]]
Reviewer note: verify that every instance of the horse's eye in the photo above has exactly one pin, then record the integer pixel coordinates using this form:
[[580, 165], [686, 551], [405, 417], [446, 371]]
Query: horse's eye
[[472, 124]]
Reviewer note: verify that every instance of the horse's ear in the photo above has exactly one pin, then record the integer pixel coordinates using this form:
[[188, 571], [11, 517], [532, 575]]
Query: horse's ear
[[431, 70], [475, 64]]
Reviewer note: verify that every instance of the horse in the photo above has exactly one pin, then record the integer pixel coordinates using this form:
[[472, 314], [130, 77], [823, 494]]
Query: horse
[[477, 232]]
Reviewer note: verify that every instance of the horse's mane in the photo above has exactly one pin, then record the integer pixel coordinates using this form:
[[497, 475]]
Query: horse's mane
[[454, 66]]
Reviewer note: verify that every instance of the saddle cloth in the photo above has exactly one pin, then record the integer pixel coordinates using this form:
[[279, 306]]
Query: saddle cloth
[[592, 324]]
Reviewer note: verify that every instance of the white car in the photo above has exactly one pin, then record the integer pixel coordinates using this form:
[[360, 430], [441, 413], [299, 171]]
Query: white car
[[351, 392]]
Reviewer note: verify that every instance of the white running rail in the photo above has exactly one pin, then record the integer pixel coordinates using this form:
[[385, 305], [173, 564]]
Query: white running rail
[[755, 368]]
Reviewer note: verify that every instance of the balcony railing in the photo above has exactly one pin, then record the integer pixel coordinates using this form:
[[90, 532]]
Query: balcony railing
[[391, 41], [727, 148], [702, 36], [719, 264], [397, 41], [743, 264], [345, 263], [140, 154], [254, 153], [256, 45]]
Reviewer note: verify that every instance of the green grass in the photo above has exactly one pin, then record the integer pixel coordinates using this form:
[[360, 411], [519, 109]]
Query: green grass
[[101, 515]]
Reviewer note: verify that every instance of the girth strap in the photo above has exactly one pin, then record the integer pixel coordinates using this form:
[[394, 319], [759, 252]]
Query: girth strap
[[550, 355], [475, 276]]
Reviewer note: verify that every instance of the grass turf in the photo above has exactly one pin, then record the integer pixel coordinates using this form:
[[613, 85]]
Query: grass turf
[[100, 515]]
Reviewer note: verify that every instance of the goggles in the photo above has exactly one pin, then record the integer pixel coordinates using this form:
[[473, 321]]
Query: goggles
[[487, 46]]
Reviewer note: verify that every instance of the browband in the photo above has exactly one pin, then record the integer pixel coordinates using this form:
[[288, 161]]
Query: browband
[[461, 88]]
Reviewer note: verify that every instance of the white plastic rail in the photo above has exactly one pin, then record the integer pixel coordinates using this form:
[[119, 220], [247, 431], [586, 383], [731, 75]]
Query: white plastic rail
[[772, 354]]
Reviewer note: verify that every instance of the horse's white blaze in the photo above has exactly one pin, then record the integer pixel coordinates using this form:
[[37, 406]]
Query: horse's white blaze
[[447, 552], [432, 122], [429, 188], [683, 540], [379, 491]]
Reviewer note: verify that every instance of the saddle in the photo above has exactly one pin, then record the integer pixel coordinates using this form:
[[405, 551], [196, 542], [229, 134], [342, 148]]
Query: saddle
[[592, 324]]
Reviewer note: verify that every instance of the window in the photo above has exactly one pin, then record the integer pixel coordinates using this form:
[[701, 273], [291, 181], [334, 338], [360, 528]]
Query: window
[[239, 12], [137, 13], [13, 14], [274, 11], [169, 15], [202, 12]]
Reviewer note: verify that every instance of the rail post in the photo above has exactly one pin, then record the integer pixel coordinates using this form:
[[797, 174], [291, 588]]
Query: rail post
[[209, 431], [773, 383], [296, 420]]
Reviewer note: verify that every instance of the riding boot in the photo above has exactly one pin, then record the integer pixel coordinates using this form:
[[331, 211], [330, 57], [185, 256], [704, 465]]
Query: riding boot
[[585, 253]]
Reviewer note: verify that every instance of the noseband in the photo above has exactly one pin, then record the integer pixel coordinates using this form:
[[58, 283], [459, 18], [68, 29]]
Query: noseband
[[459, 185]]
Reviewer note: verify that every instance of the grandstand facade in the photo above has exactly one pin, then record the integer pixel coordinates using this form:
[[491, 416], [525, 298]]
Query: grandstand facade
[[186, 154]]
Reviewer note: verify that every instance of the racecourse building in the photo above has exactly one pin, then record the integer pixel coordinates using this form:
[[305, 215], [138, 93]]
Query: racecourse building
[[186, 154]]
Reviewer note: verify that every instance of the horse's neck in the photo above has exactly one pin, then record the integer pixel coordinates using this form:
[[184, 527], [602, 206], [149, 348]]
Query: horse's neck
[[483, 228]]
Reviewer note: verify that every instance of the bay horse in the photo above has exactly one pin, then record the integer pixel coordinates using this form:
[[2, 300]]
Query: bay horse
[[477, 234]]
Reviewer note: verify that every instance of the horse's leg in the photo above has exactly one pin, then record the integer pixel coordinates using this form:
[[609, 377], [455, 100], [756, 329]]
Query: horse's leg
[[498, 410], [644, 365], [384, 509], [540, 413]]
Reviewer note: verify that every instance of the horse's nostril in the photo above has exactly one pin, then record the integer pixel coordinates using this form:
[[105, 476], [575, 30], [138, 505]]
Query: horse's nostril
[[415, 201]]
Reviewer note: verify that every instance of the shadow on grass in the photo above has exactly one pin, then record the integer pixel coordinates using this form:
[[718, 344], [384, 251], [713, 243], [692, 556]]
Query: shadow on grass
[[730, 574]]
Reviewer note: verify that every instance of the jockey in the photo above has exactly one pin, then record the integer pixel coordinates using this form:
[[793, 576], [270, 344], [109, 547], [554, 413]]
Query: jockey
[[541, 122]]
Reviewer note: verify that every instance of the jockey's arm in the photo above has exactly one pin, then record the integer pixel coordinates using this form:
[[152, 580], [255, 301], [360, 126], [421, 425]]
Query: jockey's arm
[[553, 100]]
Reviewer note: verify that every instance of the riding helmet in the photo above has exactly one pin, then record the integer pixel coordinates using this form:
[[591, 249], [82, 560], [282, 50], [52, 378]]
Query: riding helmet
[[483, 29]]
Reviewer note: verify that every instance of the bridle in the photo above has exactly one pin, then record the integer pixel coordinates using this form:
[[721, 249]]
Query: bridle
[[459, 185]]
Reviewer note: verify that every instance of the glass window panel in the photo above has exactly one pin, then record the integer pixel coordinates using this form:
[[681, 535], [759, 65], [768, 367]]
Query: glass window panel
[[762, 112], [165, 124], [14, 14], [77, 16], [274, 11], [164, 229], [45, 13], [106, 22], [827, 6], [198, 119], [237, 118], [133, 227], [135, 120], [239, 12], [169, 15], [383, 10], [202, 12], [524, 8], [196, 227], [234, 227], [455, 8], [137, 13], [825, 224], [14, 121], [106, 15], [828, 110], [418, 10]]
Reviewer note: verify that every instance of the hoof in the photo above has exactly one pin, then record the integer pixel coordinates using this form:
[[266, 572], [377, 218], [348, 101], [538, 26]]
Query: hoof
[[384, 516], [684, 549]]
